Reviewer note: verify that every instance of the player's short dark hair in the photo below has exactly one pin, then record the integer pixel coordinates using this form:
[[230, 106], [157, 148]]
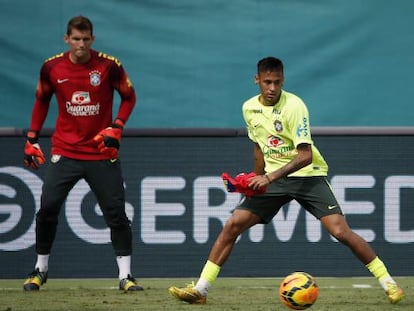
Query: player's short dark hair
[[81, 23], [269, 64]]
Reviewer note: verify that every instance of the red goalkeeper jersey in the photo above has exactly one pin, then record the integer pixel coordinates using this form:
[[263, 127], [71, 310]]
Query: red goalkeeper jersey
[[84, 94]]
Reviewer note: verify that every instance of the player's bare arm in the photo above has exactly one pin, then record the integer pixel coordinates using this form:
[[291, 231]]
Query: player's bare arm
[[259, 163], [303, 158]]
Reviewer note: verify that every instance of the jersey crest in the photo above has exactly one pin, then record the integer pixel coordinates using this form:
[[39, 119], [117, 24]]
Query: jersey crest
[[95, 78], [278, 126]]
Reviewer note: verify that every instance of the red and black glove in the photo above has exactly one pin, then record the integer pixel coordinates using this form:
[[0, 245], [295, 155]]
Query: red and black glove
[[33, 155], [240, 184], [109, 139]]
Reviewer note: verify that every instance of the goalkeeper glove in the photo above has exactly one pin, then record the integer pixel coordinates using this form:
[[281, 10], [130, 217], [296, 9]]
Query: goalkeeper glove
[[240, 184], [109, 139], [33, 155]]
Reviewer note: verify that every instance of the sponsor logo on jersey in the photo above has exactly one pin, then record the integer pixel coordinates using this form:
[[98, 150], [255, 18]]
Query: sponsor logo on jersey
[[80, 105], [80, 98], [274, 141], [303, 129], [95, 78]]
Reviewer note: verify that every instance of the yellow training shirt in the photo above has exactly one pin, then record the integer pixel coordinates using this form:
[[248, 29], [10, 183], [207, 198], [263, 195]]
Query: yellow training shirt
[[279, 129]]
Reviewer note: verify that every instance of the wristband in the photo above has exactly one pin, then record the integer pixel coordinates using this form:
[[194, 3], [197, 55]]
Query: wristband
[[118, 123], [33, 136], [268, 178]]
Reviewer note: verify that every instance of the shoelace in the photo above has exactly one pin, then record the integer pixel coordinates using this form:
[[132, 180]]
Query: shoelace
[[391, 286]]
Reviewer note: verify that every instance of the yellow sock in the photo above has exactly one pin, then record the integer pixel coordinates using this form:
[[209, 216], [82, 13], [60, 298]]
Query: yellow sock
[[210, 271], [208, 276], [379, 270]]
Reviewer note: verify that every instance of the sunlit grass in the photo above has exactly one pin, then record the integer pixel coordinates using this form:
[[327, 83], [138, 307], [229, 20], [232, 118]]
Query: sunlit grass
[[337, 294]]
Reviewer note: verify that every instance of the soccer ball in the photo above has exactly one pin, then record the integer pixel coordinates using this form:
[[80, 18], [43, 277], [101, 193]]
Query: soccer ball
[[298, 290]]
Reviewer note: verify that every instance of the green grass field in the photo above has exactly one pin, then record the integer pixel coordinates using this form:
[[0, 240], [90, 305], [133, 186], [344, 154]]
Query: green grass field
[[227, 294]]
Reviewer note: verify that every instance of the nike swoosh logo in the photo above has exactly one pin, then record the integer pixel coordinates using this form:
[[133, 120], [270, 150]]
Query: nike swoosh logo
[[113, 160], [332, 206], [62, 80]]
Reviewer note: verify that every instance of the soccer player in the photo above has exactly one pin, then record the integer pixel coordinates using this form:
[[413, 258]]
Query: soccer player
[[287, 162], [85, 143]]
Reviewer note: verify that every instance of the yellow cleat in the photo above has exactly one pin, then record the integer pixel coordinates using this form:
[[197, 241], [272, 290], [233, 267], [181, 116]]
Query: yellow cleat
[[129, 284], [188, 294], [394, 292], [35, 280]]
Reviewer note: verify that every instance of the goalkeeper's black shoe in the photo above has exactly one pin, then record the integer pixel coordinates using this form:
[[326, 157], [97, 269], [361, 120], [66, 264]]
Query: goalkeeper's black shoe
[[129, 284], [35, 280]]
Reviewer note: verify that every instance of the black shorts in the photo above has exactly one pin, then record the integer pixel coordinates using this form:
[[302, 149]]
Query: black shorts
[[104, 178], [312, 193]]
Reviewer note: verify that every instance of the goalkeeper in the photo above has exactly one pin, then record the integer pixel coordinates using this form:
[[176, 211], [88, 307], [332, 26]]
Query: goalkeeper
[[290, 167], [84, 145]]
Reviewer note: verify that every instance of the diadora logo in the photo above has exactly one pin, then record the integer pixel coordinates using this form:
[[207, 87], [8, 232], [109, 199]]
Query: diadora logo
[[80, 98], [274, 141]]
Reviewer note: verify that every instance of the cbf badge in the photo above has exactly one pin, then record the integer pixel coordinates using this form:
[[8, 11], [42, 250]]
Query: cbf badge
[[278, 126], [95, 77]]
